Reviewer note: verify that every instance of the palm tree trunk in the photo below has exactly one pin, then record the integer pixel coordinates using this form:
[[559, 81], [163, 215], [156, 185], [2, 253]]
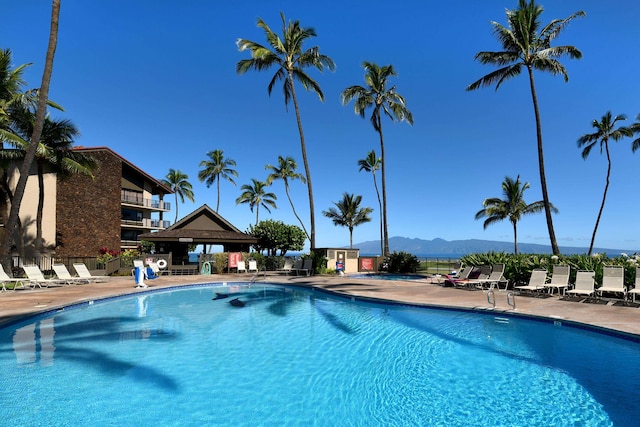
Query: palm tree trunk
[[604, 198], [176, 220], [543, 179], [515, 239], [312, 239], [350, 237], [375, 184], [38, 242], [286, 189], [218, 185], [385, 233], [7, 237]]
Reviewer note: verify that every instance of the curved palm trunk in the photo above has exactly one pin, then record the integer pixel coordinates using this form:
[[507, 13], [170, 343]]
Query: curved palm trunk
[[604, 198], [375, 184], [515, 239], [543, 179], [7, 237], [176, 220], [385, 230], [286, 189], [312, 238], [218, 203], [38, 244]]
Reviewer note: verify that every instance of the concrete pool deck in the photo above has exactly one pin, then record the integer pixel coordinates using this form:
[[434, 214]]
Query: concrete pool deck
[[15, 305]]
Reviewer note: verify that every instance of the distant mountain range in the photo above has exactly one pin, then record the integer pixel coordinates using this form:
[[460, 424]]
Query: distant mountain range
[[440, 247]]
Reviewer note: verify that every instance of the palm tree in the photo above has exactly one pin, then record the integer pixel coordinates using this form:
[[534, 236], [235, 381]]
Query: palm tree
[[526, 47], [286, 170], [383, 100], [287, 55], [605, 131], [635, 128], [372, 163], [177, 181], [11, 83], [54, 152], [348, 213], [512, 207], [215, 169], [43, 94], [254, 195]]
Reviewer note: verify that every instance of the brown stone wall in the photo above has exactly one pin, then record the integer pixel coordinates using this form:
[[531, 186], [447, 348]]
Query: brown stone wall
[[88, 211]]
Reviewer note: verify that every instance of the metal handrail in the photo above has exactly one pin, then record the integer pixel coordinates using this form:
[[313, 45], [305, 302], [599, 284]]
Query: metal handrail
[[491, 300]]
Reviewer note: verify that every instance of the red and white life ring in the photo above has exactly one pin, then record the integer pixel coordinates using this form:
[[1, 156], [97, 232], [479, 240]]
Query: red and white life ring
[[162, 263]]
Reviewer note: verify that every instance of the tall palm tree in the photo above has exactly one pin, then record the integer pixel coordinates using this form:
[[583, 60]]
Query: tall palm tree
[[605, 131], [372, 163], [286, 54], [254, 195], [7, 236], [512, 207], [55, 153], [348, 213], [383, 100], [525, 45], [215, 169], [286, 171], [177, 181], [11, 83]]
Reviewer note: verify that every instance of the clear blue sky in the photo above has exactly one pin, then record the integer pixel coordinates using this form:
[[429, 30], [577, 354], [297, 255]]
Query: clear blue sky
[[155, 81]]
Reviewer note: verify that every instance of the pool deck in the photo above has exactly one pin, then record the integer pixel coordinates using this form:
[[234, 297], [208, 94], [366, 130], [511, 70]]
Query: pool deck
[[15, 305]]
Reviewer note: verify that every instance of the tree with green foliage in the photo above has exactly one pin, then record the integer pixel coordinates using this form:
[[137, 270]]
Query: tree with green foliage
[[276, 236], [382, 100], [287, 171], [255, 195], [286, 54], [605, 131], [635, 128], [216, 168], [528, 46], [372, 163], [511, 207], [177, 181], [43, 95], [348, 213]]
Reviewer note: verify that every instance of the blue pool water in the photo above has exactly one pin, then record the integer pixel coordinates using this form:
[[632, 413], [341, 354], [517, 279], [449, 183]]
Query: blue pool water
[[299, 357]]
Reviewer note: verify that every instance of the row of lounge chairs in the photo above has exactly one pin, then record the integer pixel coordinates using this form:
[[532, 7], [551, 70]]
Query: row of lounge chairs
[[485, 277], [612, 282], [253, 267], [35, 277], [299, 266]]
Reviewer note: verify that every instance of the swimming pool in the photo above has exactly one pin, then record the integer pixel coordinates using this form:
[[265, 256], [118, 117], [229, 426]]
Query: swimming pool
[[298, 357]]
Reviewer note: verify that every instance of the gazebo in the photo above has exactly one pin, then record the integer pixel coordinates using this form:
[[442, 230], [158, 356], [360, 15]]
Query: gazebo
[[201, 227]]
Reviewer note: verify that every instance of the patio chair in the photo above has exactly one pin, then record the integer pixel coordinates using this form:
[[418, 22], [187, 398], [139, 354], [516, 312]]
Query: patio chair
[[585, 283], [253, 266], [82, 271], [63, 274], [636, 288], [155, 268], [307, 267], [477, 276], [493, 281], [288, 267], [241, 267], [537, 281], [462, 275], [5, 279], [612, 281], [559, 279], [36, 278]]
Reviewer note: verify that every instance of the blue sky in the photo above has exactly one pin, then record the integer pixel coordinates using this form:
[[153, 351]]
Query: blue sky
[[155, 81]]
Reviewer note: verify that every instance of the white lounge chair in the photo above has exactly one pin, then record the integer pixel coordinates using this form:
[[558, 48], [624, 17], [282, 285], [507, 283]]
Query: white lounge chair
[[4, 279], [612, 281], [537, 281], [242, 267], [482, 276], [84, 273], [495, 278], [307, 267], [157, 271], [559, 279], [585, 283], [36, 278], [253, 266], [288, 267], [63, 275], [636, 288]]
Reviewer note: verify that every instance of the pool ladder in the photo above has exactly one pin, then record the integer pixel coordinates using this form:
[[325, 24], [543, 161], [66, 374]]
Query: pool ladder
[[254, 279], [511, 298]]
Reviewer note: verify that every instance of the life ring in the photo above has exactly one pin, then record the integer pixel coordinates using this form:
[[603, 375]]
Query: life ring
[[206, 268], [162, 263]]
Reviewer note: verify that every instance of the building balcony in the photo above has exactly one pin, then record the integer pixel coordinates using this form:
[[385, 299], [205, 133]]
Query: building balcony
[[142, 202], [151, 224]]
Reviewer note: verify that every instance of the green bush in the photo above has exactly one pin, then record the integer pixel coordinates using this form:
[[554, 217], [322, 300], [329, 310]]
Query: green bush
[[402, 262]]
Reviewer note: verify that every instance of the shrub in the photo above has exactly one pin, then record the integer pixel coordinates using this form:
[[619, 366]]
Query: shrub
[[402, 262]]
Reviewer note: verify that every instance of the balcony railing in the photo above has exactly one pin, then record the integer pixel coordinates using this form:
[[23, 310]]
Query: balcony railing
[[136, 200], [146, 223]]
